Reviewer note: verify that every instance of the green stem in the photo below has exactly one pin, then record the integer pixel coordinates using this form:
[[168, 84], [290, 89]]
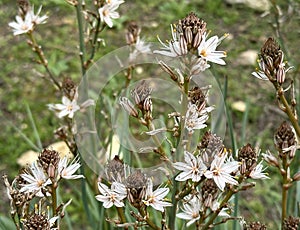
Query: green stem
[[54, 198], [38, 50], [287, 109], [81, 37], [95, 39], [122, 216], [229, 194], [172, 217], [284, 190], [149, 222]]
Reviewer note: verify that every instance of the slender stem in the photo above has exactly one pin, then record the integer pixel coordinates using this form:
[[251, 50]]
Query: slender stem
[[81, 37], [122, 216], [161, 151], [225, 200], [54, 198], [172, 217], [94, 42], [38, 50], [288, 110], [284, 189], [149, 222]]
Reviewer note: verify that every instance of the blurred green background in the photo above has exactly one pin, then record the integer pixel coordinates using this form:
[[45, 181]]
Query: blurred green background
[[22, 83]]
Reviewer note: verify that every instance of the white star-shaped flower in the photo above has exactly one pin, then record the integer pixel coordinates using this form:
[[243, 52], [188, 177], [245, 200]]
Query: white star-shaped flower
[[66, 171], [113, 196], [155, 198], [22, 26], [35, 18], [36, 180], [220, 171], [67, 108], [108, 12], [191, 211], [195, 120], [193, 168], [207, 50], [257, 172]]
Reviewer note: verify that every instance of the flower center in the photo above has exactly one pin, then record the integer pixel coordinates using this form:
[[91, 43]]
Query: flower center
[[203, 53], [217, 172], [40, 183], [105, 12], [195, 215], [70, 107]]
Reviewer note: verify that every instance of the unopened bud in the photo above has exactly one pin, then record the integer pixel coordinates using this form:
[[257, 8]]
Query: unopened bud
[[296, 176]]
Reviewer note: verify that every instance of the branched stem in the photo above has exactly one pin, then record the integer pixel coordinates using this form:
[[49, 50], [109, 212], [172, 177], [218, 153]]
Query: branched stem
[[229, 194], [38, 50], [146, 217]]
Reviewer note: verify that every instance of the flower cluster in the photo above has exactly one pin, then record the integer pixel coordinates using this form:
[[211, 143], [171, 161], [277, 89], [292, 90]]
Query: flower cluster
[[142, 99], [36, 184], [26, 22], [271, 64], [190, 37], [136, 187], [45, 171], [69, 104], [220, 169]]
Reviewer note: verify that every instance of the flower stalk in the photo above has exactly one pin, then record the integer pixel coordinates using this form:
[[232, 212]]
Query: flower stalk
[[38, 50]]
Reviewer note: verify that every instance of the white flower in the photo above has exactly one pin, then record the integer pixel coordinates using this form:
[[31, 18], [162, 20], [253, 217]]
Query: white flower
[[193, 168], [113, 196], [65, 171], [257, 172], [22, 26], [198, 65], [67, 108], [155, 198], [108, 12], [36, 180], [174, 48], [207, 50], [35, 18], [220, 171], [194, 119], [141, 47], [191, 211]]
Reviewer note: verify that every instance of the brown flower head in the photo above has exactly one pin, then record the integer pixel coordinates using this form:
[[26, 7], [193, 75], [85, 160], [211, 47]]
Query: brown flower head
[[69, 88], [192, 28], [209, 192], [197, 97], [49, 159], [141, 95], [210, 145], [271, 61], [291, 223], [255, 226], [136, 184], [37, 222], [248, 157], [24, 7], [133, 33], [115, 170], [284, 138]]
